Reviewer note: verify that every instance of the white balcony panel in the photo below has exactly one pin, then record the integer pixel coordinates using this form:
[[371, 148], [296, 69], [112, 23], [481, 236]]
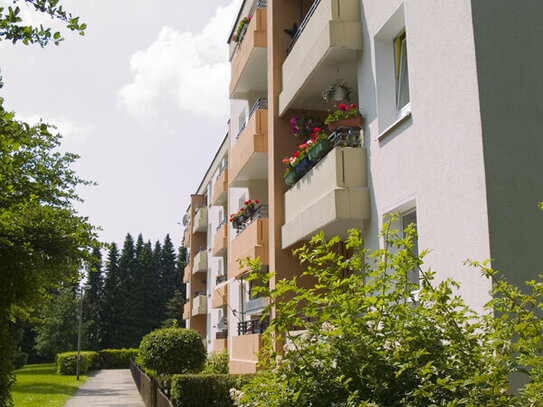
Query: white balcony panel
[[199, 305], [333, 197], [200, 220], [199, 263], [329, 46]]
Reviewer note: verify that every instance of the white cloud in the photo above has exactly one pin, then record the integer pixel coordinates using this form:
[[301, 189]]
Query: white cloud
[[72, 132], [192, 70]]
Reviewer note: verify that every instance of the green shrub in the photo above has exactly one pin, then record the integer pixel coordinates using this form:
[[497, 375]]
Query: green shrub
[[216, 363], [67, 362], [172, 350], [116, 358], [190, 390], [19, 358]]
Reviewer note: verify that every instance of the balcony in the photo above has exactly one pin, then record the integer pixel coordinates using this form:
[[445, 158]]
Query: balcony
[[186, 237], [249, 56], [245, 347], [220, 240], [186, 274], [200, 219], [249, 153], [251, 240], [327, 43], [220, 187], [186, 311], [199, 305], [333, 197], [220, 296], [199, 263]]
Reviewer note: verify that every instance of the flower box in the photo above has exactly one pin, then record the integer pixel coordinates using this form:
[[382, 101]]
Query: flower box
[[303, 166], [320, 149], [291, 178], [350, 122]]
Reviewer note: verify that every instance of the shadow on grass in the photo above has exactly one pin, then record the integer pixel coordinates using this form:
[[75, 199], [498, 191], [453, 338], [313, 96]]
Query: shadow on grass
[[34, 370]]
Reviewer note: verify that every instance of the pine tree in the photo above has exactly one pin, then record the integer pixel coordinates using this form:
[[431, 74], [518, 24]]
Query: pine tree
[[169, 280], [174, 310], [91, 301], [110, 309], [126, 298]]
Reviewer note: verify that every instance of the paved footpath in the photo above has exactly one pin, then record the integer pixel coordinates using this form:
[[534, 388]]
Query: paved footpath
[[106, 388]]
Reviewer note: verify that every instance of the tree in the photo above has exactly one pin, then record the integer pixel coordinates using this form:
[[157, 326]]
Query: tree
[[57, 331], [42, 240], [169, 277], [13, 29], [110, 308], [92, 300], [174, 310], [368, 340]]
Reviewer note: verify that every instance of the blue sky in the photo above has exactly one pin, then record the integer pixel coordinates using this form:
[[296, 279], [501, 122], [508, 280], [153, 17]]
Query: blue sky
[[142, 98]]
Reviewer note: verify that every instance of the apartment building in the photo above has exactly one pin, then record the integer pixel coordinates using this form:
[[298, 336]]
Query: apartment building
[[450, 93]]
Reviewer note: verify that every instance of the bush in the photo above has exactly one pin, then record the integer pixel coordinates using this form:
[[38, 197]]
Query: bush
[[216, 363], [374, 343], [172, 350], [116, 358], [67, 362], [190, 390], [19, 358]]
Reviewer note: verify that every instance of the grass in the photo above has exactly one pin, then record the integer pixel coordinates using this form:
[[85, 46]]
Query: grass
[[40, 386]]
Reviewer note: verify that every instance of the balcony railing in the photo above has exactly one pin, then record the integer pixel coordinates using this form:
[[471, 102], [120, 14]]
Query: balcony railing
[[261, 103], [303, 23], [221, 278], [221, 334], [248, 217], [220, 226], [254, 326]]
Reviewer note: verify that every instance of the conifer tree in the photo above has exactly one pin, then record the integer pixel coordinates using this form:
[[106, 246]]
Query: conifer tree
[[110, 309], [126, 298], [92, 300], [169, 273]]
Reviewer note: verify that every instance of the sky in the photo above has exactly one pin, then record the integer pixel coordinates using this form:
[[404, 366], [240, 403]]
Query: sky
[[142, 97]]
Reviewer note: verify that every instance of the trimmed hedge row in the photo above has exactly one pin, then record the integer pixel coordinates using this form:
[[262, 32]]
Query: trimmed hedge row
[[193, 390], [90, 360]]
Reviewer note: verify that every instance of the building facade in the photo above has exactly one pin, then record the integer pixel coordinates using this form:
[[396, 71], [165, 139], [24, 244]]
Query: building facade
[[451, 140]]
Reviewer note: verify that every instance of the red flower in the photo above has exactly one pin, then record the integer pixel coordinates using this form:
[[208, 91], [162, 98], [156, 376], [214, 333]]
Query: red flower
[[353, 106], [317, 129], [256, 201], [343, 106], [286, 160], [296, 154]]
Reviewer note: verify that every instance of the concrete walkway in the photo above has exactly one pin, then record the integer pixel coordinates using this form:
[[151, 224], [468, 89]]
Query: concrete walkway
[[106, 388]]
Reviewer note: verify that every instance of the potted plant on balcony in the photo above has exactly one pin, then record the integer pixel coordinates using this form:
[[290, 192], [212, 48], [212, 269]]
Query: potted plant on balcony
[[238, 36], [249, 208], [302, 126], [319, 146], [344, 116], [336, 92]]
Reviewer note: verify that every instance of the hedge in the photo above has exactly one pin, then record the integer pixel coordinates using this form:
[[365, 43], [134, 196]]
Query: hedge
[[117, 358], [90, 360], [67, 362], [192, 390]]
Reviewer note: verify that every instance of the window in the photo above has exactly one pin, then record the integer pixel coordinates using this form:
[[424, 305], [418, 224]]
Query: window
[[402, 77], [391, 70], [408, 218]]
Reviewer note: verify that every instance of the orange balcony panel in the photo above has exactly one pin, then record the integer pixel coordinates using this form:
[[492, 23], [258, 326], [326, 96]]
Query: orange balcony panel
[[186, 238], [220, 188], [244, 357], [252, 242], [249, 64], [186, 311], [250, 151], [220, 344], [187, 273], [220, 296], [220, 241]]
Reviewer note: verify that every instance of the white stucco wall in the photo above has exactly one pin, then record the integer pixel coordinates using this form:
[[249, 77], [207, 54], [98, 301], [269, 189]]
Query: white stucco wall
[[434, 158]]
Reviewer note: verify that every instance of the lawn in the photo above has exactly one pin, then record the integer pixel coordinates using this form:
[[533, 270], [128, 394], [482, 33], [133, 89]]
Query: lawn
[[40, 386]]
